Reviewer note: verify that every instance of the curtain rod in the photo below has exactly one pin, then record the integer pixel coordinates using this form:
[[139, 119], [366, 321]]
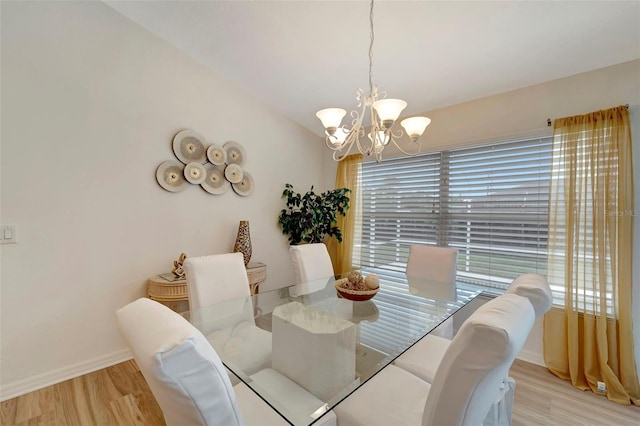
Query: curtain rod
[[549, 120]]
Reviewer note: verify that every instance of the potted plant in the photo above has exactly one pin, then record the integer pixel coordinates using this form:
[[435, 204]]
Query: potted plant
[[311, 217]]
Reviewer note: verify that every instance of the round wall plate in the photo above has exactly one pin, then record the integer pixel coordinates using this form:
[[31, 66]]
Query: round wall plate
[[215, 183], [188, 146], [245, 186], [217, 155], [195, 173], [170, 176], [235, 153], [233, 173]]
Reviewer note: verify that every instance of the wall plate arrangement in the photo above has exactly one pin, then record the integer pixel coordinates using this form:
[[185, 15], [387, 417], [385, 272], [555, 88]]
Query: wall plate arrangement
[[215, 168]]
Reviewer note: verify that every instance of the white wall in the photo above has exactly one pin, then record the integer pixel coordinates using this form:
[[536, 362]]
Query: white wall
[[90, 104], [525, 112]]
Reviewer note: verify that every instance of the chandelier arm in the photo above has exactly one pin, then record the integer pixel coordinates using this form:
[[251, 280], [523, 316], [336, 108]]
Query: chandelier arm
[[419, 145], [330, 145], [356, 139], [364, 150], [356, 121], [393, 136], [357, 130], [348, 145]]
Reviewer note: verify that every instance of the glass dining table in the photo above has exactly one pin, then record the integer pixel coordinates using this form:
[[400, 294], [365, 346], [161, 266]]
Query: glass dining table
[[303, 348]]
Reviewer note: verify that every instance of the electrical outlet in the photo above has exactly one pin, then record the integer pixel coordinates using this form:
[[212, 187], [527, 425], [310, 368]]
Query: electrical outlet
[[8, 234], [602, 387]]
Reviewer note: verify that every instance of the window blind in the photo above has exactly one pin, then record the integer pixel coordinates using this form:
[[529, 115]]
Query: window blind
[[400, 207], [490, 202]]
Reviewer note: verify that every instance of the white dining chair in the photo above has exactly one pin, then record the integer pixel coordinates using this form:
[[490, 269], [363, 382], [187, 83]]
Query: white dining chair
[[184, 372], [311, 262], [424, 358], [434, 267], [188, 379], [468, 380], [435, 263], [313, 269], [215, 278], [231, 329]]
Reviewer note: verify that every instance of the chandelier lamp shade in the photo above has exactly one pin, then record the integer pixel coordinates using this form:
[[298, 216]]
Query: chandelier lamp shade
[[383, 114]]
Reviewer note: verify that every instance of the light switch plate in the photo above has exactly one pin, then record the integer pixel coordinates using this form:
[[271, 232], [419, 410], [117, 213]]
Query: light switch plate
[[8, 234]]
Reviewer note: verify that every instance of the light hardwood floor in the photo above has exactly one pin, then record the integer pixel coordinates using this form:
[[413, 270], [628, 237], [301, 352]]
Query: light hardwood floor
[[119, 395]]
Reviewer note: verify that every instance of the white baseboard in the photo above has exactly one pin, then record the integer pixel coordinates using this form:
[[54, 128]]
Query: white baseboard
[[20, 387], [532, 357]]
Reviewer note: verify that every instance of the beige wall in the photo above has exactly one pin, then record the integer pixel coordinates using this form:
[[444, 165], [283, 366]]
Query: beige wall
[[90, 104]]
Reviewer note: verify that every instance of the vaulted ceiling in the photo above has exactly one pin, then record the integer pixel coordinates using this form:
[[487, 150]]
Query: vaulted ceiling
[[301, 56]]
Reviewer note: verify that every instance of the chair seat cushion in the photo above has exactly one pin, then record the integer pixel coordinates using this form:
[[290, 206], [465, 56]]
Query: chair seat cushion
[[296, 396], [248, 347], [393, 397], [423, 358], [255, 412]]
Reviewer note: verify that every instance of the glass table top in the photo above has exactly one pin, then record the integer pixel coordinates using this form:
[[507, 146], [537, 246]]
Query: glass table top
[[303, 348]]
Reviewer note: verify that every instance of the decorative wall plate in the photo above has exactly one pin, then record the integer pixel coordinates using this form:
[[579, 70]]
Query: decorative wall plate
[[215, 168], [217, 155], [195, 173], [170, 176], [215, 183], [233, 173], [245, 186], [235, 153], [189, 146]]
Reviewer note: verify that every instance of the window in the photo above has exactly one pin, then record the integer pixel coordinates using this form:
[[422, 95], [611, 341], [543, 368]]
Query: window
[[490, 202]]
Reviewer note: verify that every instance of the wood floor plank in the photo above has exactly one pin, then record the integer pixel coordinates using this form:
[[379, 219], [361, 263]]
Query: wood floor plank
[[119, 395], [28, 408], [127, 412], [544, 399], [8, 411]]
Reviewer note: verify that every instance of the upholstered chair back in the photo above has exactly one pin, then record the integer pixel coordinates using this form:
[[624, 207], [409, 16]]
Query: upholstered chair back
[[535, 288], [215, 278], [183, 371], [435, 263], [471, 373], [311, 262]]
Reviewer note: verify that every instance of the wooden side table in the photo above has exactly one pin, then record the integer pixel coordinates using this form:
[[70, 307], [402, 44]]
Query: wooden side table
[[257, 273], [174, 294]]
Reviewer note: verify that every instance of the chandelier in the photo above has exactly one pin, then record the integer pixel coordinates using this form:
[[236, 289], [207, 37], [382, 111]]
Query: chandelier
[[383, 114]]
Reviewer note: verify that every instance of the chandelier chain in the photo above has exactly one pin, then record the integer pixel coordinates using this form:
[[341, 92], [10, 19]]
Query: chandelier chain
[[371, 38]]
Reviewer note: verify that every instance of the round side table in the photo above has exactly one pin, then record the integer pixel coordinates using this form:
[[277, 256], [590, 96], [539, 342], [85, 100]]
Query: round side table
[[173, 294]]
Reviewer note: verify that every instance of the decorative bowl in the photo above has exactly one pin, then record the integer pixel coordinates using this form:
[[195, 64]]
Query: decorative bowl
[[355, 295]]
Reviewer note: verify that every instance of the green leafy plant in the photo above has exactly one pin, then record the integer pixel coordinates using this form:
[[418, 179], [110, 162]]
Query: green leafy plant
[[311, 217]]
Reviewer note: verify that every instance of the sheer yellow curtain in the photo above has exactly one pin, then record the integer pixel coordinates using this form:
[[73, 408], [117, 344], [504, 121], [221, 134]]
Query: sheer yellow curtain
[[347, 176], [591, 210]]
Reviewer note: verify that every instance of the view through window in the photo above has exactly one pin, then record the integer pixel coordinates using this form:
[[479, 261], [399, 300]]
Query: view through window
[[490, 202]]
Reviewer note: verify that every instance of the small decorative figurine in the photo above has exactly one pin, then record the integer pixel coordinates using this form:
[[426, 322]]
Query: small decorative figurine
[[177, 266]]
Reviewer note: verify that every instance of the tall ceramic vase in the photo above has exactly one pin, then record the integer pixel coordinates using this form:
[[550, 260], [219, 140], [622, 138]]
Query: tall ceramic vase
[[243, 241]]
